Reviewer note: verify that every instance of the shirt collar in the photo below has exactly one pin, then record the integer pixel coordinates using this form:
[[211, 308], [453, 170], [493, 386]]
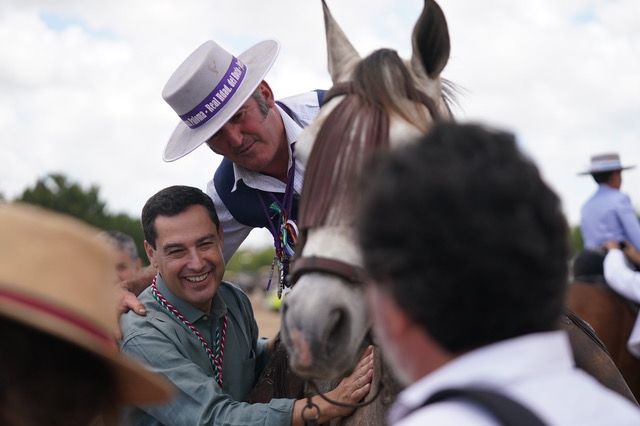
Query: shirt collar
[[262, 181], [190, 312], [498, 364]]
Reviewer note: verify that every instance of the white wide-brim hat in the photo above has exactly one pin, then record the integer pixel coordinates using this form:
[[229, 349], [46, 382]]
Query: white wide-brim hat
[[608, 162], [209, 87], [57, 276]]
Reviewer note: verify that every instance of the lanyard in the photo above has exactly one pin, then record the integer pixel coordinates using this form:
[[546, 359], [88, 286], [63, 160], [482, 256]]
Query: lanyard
[[282, 226]]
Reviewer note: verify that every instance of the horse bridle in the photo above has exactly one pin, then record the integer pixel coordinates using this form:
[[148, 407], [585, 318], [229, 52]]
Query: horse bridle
[[304, 265]]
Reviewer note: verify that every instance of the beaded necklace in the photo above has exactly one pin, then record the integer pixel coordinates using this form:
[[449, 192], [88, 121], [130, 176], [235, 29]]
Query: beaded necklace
[[216, 356]]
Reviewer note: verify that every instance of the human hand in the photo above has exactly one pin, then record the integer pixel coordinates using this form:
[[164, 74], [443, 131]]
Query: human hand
[[126, 301], [353, 388], [140, 281]]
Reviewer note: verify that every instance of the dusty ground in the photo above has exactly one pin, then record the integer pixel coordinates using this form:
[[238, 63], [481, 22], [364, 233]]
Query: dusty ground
[[268, 320]]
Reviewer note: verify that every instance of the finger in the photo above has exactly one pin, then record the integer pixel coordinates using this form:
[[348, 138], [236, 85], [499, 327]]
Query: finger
[[134, 304], [366, 358], [358, 394]]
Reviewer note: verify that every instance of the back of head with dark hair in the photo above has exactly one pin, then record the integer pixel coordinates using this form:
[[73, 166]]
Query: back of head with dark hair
[[470, 241], [172, 201]]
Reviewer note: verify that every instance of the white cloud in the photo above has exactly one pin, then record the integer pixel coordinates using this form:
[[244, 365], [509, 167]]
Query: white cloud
[[85, 99]]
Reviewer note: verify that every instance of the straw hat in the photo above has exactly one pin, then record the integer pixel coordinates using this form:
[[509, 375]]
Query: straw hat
[[605, 163], [209, 87], [58, 277]]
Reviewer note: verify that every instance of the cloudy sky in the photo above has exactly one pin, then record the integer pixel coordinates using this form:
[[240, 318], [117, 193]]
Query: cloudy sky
[[80, 81]]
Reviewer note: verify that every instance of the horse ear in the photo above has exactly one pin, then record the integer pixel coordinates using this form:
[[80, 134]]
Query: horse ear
[[431, 45], [342, 56]]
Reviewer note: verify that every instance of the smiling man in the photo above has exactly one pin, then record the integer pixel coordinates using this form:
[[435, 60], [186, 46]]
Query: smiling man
[[200, 331]]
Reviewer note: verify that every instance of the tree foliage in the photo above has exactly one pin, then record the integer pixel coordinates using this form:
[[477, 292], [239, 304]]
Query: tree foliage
[[56, 192]]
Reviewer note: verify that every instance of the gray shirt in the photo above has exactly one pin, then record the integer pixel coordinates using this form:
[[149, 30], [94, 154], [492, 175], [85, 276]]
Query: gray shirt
[[168, 347]]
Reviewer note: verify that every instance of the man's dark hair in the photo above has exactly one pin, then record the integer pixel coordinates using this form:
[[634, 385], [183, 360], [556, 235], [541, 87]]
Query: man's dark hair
[[462, 231], [172, 201]]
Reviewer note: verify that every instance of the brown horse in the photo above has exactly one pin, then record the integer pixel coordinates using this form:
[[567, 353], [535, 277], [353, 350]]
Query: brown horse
[[611, 316], [377, 103]]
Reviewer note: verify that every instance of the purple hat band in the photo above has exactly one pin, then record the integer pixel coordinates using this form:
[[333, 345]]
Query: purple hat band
[[218, 97]]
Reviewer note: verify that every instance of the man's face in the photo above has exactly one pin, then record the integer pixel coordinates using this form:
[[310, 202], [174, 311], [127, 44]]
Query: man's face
[[188, 255], [252, 138], [126, 268]]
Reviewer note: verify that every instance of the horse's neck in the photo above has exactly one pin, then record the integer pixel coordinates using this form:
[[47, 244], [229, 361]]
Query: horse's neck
[[335, 242]]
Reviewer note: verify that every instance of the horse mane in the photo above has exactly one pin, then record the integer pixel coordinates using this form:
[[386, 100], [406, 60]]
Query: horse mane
[[357, 128]]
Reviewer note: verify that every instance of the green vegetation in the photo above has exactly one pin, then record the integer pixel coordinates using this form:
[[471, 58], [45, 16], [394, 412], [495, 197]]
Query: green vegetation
[[56, 192]]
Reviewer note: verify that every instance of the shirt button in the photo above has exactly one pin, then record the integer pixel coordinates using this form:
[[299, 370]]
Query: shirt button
[[206, 318]]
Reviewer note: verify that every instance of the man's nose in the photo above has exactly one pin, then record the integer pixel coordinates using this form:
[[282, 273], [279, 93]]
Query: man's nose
[[232, 134], [196, 262]]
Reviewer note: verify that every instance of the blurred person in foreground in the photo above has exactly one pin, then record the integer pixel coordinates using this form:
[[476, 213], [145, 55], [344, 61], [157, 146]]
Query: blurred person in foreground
[[468, 285], [59, 363]]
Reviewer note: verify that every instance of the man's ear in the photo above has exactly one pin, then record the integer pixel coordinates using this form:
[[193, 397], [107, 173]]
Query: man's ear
[[221, 238], [150, 254], [266, 91], [387, 312], [398, 322]]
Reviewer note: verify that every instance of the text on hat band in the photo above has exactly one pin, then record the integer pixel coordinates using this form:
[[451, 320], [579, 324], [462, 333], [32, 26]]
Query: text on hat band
[[218, 97]]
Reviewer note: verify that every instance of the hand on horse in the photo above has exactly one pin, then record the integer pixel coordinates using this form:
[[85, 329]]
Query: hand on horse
[[350, 390]]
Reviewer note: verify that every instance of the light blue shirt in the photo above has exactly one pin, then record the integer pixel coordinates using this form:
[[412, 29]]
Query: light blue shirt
[[609, 215]]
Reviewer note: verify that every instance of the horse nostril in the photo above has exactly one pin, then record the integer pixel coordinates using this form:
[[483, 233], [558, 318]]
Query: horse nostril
[[337, 330]]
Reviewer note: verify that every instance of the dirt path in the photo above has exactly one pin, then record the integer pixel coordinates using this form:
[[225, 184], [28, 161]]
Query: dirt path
[[268, 320]]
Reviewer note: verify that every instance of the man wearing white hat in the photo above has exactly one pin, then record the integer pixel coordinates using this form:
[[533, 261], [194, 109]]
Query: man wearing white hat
[[224, 102], [608, 214]]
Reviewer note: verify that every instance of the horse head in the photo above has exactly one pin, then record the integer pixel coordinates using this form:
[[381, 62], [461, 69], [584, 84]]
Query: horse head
[[375, 103]]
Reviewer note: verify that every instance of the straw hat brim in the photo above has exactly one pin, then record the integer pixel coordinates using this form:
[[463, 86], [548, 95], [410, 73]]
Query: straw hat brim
[[258, 59]]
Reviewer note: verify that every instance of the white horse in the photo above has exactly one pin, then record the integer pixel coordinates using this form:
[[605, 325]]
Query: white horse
[[376, 103]]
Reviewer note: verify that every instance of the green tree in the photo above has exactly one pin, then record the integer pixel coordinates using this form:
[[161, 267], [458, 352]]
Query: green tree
[[56, 192]]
